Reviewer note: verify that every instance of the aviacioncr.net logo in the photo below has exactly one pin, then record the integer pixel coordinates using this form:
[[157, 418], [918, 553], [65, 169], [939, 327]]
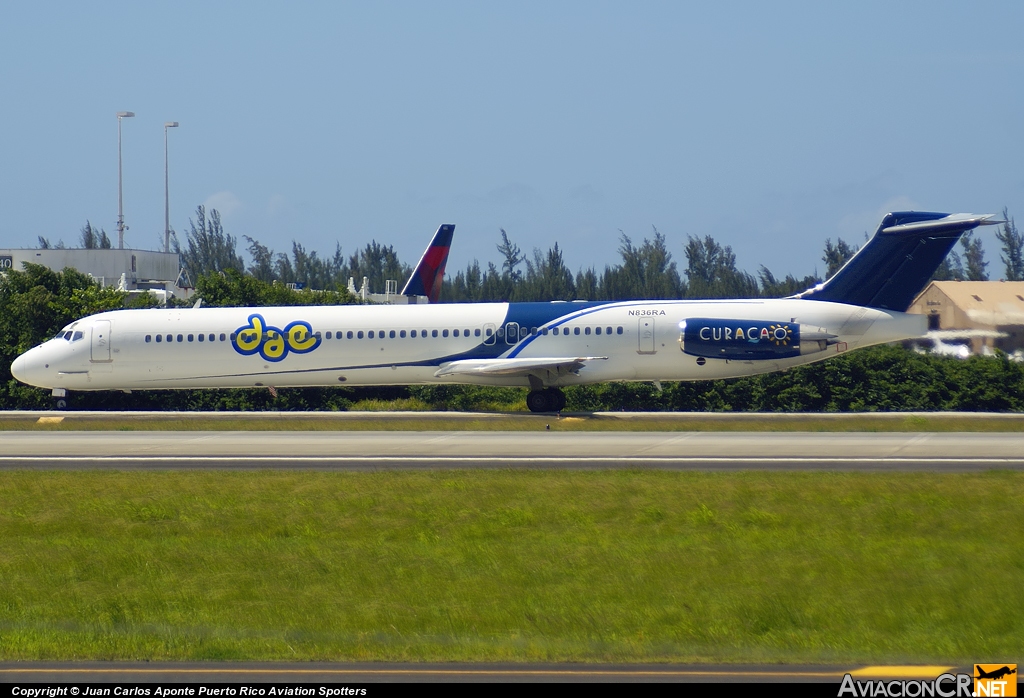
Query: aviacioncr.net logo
[[271, 343]]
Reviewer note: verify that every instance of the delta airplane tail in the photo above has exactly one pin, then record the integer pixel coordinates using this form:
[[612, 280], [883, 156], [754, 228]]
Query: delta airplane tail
[[895, 265], [427, 277]]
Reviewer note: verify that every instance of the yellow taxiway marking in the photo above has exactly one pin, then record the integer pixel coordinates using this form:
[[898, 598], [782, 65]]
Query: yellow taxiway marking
[[49, 420], [902, 672]]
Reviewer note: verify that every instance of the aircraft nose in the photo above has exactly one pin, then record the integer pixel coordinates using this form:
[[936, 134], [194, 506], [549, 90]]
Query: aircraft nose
[[28, 368], [19, 368]]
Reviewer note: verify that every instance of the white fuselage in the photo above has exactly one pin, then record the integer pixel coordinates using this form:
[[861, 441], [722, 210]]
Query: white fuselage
[[332, 345]]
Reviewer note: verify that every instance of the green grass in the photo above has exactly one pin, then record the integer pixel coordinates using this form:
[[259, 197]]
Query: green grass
[[462, 421], [512, 565]]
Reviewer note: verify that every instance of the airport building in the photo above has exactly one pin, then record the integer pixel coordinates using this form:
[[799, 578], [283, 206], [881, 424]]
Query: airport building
[[133, 271], [989, 314]]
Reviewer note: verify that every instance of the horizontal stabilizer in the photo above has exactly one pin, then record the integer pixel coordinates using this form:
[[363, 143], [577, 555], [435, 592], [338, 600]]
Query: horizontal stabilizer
[[515, 367], [896, 264]]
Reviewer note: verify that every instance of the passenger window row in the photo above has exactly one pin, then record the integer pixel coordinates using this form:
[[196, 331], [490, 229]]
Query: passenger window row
[[400, 334], [583, 330], [378, 334], [191, 338]]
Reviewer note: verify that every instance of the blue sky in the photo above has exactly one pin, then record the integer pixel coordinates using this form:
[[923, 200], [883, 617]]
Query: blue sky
[[770, 126]]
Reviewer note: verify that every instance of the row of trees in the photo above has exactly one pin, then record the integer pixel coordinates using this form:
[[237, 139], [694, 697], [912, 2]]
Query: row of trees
[[209, 249], [644, 270]]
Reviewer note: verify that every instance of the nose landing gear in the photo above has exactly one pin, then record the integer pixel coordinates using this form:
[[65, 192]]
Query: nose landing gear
[[547, 400], [60, 399]]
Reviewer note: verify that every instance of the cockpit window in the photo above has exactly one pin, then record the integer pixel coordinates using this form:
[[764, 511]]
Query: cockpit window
[[77, 336], [67, 333]]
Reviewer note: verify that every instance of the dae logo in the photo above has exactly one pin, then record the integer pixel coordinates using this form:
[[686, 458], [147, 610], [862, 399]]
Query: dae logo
[[271, 343], [995, 680]]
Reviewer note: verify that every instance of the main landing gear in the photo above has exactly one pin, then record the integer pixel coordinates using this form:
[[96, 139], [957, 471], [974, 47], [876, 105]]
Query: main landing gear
[[547, 400]]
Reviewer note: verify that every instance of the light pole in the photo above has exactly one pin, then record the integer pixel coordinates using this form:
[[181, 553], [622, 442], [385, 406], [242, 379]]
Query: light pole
[[167, 200], [120, 209]]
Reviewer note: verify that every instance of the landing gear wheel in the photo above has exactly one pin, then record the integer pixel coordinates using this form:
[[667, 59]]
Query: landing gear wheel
[[539, 401], [557, 399], [60, 403], [547, 400]]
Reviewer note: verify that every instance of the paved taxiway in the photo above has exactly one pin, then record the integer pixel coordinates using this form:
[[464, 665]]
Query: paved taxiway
[[373, 450]]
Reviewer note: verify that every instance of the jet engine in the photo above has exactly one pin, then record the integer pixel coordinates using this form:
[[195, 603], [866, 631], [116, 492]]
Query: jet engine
[[750, 340]]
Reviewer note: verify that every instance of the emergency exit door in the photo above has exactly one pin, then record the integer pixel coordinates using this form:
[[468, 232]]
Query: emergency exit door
[[645, 334]]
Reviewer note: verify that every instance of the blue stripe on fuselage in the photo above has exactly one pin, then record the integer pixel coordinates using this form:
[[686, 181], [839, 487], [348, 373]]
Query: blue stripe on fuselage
[[579, 311]]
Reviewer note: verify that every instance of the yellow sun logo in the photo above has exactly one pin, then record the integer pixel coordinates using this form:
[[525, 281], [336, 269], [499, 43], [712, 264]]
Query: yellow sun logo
[[780, 334]]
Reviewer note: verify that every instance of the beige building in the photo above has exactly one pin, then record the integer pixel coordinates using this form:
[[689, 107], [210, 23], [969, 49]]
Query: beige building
[[996, 307]]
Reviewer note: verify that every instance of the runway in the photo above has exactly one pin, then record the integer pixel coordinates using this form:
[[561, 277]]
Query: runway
[[377, 450]]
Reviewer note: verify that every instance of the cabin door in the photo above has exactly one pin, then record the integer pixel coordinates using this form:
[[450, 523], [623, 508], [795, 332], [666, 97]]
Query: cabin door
[[100, 349]]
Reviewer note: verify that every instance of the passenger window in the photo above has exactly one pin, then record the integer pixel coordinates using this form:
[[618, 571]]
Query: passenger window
[[191, 338], [370, 334], [180, 338], [575, 330], [348, 334], [360, 334], [413, 334], [586, 330], [544, 331], [149, 338], [328, 334], [233, 335], [455, 333], [391, 334], [317, 334], [433, 333], [465, 333], [444, 333], [159, 338], [533, 331], [170, 338], [489, 332], [476, 332], [618, 331], [597, 330], [423, 333], [202, 338], [402, 334], [608, 330]]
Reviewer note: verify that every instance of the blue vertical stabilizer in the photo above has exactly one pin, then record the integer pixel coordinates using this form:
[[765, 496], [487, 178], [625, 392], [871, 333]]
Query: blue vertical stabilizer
[[896, 264]]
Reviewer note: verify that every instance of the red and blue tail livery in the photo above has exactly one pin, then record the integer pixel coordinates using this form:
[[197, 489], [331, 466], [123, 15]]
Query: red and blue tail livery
[[428, 275]]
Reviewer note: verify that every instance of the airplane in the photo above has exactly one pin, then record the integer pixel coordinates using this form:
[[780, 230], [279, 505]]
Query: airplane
[[542, 346], [996, 674], [955, 343]]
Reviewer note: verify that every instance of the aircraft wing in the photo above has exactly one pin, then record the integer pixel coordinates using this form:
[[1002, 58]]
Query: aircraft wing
[[559, 366]]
